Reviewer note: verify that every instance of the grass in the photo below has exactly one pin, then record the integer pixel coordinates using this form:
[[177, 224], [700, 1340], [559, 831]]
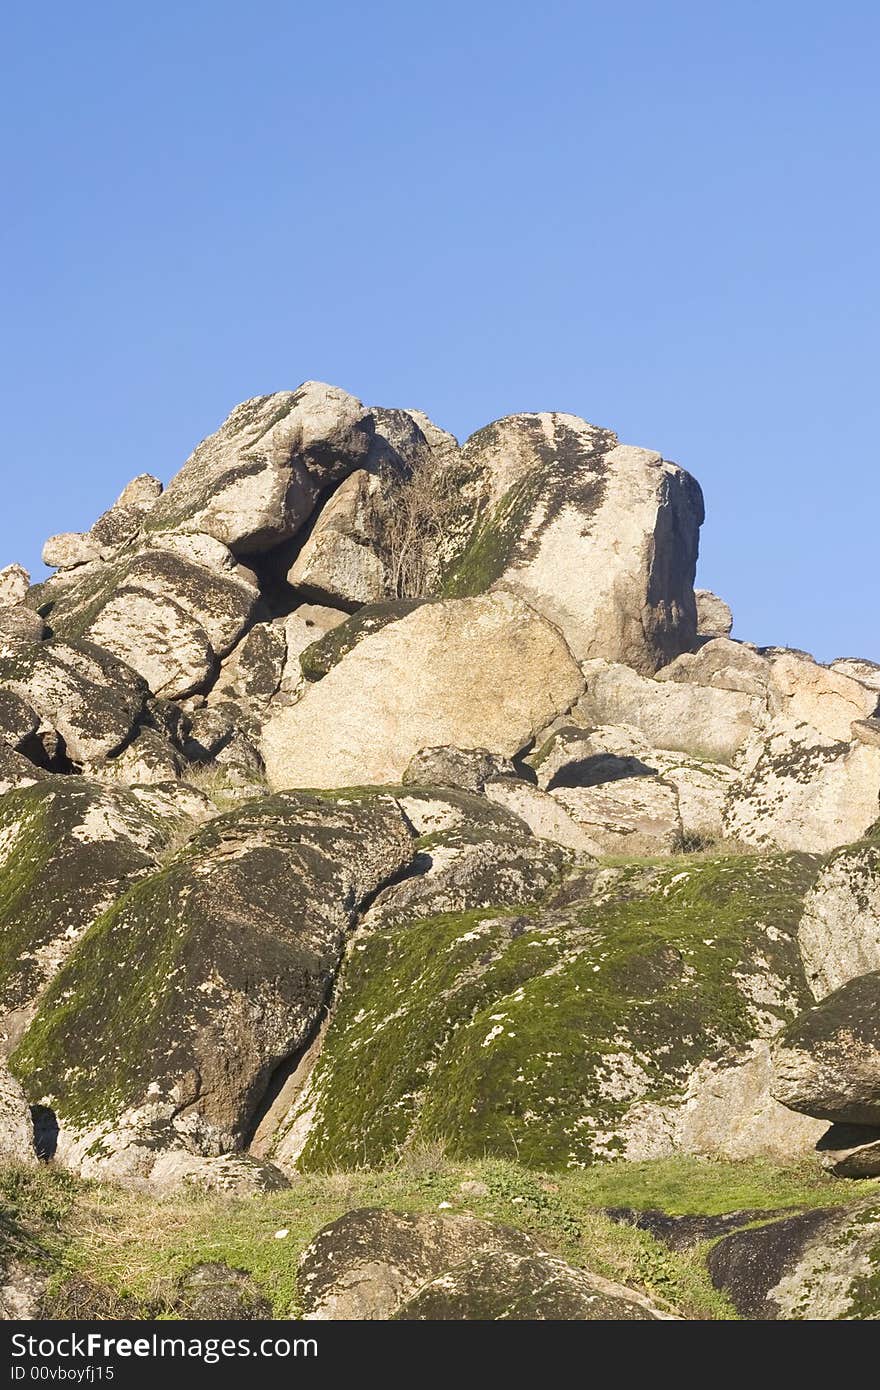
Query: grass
[[114, 1252]]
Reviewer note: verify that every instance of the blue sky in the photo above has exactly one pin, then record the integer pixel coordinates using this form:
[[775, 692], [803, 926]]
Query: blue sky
[[661, 216]]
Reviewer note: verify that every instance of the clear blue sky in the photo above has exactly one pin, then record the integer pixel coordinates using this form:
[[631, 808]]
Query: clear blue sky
[[662, 216]]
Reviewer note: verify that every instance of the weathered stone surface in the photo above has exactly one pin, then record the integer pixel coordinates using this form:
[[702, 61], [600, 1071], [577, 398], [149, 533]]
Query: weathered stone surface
[[338, 639], [705, 721], [20, 628], [14, 584], [16, 1126], [858, 669], [468, 769], [851, 1151], [801, 790], [714, 618], [201, 978], [481, 673], [377, 1264], [839, 934], [254, 670], [827, 1062], [573, 756], [544, 815], [70, 549], [631, 815], [67, 849], [303, 628], [525, 1288], [817, 1265], [806, 693], [256, 481], [473, 864], [342, 561], [867, 731], [171, 619], [16, 770], [599, 537], [122, 522], [723, 665], [148, 758], [18, 722], [729, 1112], [88, 695], [546, 1032]]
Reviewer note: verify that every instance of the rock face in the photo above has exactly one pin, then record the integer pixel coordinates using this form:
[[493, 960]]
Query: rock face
[[201, 978], [361, 792], [714, 618], [14, 584], [827, 1063], [802, 790], [818, 1265], [564, 1035], [256, 481], [484, 673], [598, 536], [16, 1127], [374, 1264], [839, 934], [91, 698], [68, 848]]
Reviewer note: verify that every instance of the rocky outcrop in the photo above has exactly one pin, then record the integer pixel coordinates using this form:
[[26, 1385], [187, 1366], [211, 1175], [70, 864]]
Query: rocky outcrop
[[839, 933], [483, 673], [375, 1264], [816, 1265], [827, 1062], [598, 536], [14, 585], [467, 769], [256, 481], [566, 1034], [714, 618], [87, 695], [201, 978], [800, 789], [68, 848]]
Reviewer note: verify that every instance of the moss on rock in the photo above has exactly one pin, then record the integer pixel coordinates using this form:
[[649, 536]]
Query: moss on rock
[[536, 1033]]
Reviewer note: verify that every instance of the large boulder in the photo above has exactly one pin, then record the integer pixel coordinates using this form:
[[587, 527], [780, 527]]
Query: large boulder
[[827, 1062], [354, 553], [20, 628], [256, 481], [829, 701], [90, 697], [802, 790], [839, 934], [564, 1034], [599, 537], [467, 769], [469, 854], [706, 720], [14, 584], [377, 1264], [858, 669], [68, 848], [714, 618], [484, 673], [814, 1265], [170, 610], [194, 985]]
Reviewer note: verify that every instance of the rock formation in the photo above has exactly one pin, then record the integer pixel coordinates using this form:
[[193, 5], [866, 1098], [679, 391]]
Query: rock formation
[[359, 791]]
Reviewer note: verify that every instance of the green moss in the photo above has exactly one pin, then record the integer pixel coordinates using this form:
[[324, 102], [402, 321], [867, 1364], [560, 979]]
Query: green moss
[[52, 881], [492, 543], [520, 1035], [321, 656]]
